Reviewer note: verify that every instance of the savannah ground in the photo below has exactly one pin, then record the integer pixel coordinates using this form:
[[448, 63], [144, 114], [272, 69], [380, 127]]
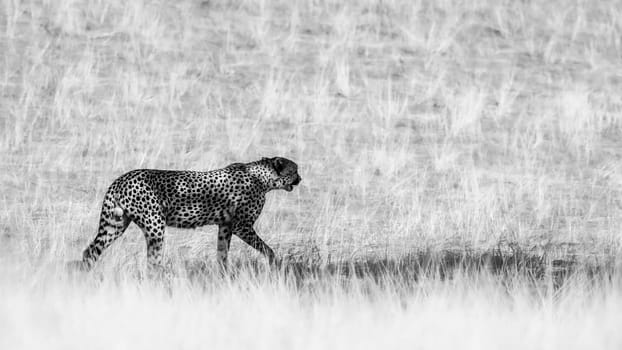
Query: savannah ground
[[460, 163]]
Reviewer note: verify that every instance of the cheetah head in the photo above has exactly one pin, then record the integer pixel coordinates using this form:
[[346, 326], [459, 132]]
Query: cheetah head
[[284, 173]]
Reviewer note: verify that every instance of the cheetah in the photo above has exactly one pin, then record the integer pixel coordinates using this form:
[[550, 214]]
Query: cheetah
[[231, 197]]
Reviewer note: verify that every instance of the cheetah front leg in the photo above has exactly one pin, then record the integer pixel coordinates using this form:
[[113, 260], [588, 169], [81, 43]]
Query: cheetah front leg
[[224, 241], [245, 232]]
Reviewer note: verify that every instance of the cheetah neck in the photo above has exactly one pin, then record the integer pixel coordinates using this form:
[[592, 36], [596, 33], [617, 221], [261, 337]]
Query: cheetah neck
[[262, 171]]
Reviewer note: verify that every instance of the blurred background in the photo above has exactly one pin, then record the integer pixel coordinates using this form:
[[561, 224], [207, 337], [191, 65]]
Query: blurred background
[[485, 127]]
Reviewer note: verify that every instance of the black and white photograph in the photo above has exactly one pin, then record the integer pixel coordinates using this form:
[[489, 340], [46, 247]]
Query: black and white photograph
[[310, 174]]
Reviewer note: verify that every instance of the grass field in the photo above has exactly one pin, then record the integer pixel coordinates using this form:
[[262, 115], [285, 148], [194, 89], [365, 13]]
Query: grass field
[[460, 163]]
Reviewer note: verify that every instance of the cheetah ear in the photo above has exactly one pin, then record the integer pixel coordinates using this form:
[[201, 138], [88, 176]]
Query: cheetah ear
[[278, 164]]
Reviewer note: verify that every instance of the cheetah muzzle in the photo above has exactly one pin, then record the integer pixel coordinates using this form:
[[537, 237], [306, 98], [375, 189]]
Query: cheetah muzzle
[[231, 197]]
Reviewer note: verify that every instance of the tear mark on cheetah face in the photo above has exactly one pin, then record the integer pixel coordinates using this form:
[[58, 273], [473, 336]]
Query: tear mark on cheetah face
[[285, 175]]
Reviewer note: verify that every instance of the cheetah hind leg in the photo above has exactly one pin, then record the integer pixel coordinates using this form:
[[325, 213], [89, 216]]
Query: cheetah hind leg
[[152, 224], [112, 223]]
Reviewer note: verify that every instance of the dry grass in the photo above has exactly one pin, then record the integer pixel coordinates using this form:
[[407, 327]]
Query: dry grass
[[461, 166]]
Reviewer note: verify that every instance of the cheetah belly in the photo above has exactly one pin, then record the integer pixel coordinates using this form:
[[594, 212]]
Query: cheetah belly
[[197, 214]]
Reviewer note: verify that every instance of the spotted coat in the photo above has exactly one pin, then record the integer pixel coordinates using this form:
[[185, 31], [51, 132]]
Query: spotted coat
[[231, 197]]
